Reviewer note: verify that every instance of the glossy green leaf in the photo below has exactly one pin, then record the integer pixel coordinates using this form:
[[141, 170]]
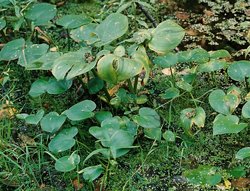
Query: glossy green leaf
[[114, 69], [243, 153], [71, 64], [85, 33], [2, 23], [167, 60], [113, 27], [223, 103], [197, 55], [203, 175], [12, 50], [218, 54], [41, 13], [227, 124], [239, 70], [238, 171], [31, 53], [51, 86], [166, 37], [80, 111], [147, 118], [32, 118], [170, 93], [169, 136], [93, 172], [192, 116], [213, 65], [52, 122], [72, 21], [64, 140], [67, 163]]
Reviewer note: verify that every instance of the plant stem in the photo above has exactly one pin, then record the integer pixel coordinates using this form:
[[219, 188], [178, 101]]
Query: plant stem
[[130, 86], [68, 39], [147, 14], [136, 83]]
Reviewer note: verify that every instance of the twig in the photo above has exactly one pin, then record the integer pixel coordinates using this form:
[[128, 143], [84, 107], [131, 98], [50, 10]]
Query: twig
[[147, 14]]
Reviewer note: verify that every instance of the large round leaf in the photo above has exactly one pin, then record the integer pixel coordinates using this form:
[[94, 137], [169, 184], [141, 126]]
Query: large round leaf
[[218, 54], [52, 122], [32, 118], [12, 50], [41, 13], [147, 118], [51, 86], [113, 27], [31, 53], [166, 37], [213, 65], [71, 64], [67, 163], [72, 21], [239, 70], [80, 111], [85, 33], [223, 103], [63, 140], [243, 153], [227, 124]]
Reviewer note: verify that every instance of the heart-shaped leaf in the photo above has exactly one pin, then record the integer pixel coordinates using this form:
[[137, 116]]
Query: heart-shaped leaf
[[102, 115], [80, 111], [223, 103], [153, 133], [12, 50], [93, 172], [147, 118], [113, 27], [67, 163], [41, 13], [51, 86], [85, 33], [213, 65], [32, 118], [167, 60], [63, 140], [190, 117], [227, 124], [170, 93], [239, 70], [72, 64], [52, 122], [72, 21], [166, 37], [243, 153], [31, 53], [197, 55]]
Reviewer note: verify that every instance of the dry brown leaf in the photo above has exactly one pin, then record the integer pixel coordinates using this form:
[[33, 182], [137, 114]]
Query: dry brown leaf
[[77, 185], [208, 13], [192, 32], [241, 183], [7, 111], [182, 15], [168, 71], [114, 89]]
